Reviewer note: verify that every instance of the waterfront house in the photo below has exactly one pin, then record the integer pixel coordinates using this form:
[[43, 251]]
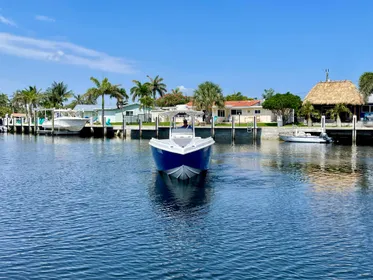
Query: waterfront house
[[132, 113], [325, 95], [241, 111]]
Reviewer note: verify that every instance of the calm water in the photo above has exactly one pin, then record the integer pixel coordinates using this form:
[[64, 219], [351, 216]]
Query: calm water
[[96, 209]]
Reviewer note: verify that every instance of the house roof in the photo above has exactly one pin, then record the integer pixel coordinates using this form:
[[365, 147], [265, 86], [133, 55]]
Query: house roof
[[18, 115], [334, 92], [244, 103], [229, 104]]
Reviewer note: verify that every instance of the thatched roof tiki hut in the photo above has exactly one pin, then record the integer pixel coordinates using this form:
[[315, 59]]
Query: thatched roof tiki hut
[[325, 95]]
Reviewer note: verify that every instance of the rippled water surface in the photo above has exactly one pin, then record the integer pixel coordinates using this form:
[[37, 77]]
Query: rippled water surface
[[96, 209]]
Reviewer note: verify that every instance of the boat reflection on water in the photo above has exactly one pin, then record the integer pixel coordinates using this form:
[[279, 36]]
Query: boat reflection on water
[[181, 195]]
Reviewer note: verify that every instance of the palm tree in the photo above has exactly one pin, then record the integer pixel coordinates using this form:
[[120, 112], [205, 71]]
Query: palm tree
[[78, 99], [4, 100], [100, 90], [337, 111], [207, 95], [27, 98], [156, 86], [139, 90], [308, 111], [57, 94], [142, 92], [124, 100], [366, 85], [176, 91]]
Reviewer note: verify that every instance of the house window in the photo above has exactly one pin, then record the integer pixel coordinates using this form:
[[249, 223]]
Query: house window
[[248, 111], [221, 113], [257, 112], [129, 113], [365, 109], [236, 112]]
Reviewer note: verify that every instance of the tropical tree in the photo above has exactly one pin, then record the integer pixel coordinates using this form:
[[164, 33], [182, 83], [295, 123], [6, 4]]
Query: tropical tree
[[78, 99], [124, 100], [26, 100], [4, 100], [172, 99], [335, 113], [366, 85], [206, 96], [308, 111], [156, 86], [57, 94], [237, 96], [176, 91], [282, 105], [100, 90], [140, 90], [4, 105], [268, 93]]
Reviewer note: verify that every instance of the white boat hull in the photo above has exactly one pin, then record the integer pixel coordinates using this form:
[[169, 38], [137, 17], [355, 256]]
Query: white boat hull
[[303, 139], [182, 162], [66, 124]]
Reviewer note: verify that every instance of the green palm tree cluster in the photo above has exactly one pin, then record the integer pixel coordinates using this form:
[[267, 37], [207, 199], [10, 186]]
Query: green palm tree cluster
[[57, 94], [366, 85], [27, 100], [105, 88], [4, 105], [335, 113], [308, 111], [206, 96]]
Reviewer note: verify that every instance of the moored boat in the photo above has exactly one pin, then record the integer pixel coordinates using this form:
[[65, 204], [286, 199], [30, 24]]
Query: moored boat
[[183, 155], [66, 120], [302, 137]]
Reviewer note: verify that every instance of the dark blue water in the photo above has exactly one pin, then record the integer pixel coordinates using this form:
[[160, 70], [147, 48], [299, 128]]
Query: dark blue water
[[74, 208]]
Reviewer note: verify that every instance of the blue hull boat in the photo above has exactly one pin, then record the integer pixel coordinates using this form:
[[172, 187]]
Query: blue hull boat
[[182, 155], [182, 166]]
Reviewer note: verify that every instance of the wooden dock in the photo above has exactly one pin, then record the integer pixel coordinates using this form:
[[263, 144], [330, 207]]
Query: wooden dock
[[227, 134]]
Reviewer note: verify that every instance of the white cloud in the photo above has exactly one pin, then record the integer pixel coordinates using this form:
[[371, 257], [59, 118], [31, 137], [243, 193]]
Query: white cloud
[[44, 18], [62, 52], [7, 21], [185, 90]]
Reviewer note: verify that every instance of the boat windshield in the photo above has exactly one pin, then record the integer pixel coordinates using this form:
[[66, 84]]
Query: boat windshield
[[181, 131], [73, 114]]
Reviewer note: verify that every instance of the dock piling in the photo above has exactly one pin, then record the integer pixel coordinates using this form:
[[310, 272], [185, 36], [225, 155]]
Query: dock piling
[[233, 130], [354, 129], [14, 125], [140, 127], [156, 127], [323, 129], [52, 122], [213, 127], [123, 127], [255, 129]]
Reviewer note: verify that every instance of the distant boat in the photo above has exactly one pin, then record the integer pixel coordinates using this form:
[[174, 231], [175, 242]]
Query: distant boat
[[368, 120], [183, 155], [65, 121], [302, 137]]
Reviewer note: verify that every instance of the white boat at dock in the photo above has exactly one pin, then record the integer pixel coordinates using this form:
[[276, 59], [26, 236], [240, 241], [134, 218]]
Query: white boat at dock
[[66, 121], [302, 137]]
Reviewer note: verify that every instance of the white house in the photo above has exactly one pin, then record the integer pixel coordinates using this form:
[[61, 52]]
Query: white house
[[131, 112], [242, 111]]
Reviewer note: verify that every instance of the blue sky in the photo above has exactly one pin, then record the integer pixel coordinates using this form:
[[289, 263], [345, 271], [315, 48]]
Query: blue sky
[[244, 46]]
